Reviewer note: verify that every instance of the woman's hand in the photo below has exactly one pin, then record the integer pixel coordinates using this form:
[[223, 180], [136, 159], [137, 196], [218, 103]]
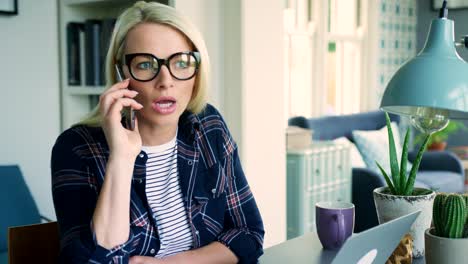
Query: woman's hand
[[146, 260], [179, 258], [214, 252], [122, 142]]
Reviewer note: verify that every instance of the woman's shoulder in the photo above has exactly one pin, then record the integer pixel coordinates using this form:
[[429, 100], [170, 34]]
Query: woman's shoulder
[[209, 110], [215, 129], [78, 135], [211, 119]]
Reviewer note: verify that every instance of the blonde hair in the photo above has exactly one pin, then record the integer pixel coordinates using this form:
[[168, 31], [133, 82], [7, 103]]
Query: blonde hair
[[152, 12]]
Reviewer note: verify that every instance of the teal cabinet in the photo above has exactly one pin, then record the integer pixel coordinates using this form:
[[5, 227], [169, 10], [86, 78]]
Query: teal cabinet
[[321, 172]]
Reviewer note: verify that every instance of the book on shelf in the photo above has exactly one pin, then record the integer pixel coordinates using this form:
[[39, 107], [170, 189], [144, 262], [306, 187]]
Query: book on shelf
[[92, 52], [74, 53], [297, 137], [107, 27], [87, 46]]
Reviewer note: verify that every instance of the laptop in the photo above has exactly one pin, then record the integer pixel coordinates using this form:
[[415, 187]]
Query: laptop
[[371, 246], [376, 244]]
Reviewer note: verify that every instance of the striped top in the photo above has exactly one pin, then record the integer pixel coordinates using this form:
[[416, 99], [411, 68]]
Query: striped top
[[165, 199]]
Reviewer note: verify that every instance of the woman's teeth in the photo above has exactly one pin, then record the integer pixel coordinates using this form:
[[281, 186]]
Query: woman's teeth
[[165, 104]]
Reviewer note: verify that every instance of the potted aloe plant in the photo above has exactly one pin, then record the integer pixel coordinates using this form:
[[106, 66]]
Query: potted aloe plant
[[400, 197], [447, 241]]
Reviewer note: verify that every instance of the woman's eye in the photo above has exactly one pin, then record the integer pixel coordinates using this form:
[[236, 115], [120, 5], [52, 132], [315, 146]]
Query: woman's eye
[[144, 65], [181, 64]]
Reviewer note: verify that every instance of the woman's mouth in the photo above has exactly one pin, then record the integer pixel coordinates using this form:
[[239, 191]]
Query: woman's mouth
[[164, 105]]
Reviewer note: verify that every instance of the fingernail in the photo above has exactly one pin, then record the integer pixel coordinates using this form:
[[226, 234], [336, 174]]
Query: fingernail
[[126, 80]]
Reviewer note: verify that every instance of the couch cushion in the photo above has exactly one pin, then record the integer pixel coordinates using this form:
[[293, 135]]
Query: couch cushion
[[443, 181], [373, 146], [356, 158], [420, 184]]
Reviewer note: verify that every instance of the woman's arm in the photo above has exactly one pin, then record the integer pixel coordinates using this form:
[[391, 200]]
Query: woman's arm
[[94, 224], [215, 253], [111, 218], [243, 226], [75, 194]]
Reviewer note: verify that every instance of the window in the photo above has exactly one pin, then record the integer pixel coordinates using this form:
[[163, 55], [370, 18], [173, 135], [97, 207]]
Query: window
[[325, 56]]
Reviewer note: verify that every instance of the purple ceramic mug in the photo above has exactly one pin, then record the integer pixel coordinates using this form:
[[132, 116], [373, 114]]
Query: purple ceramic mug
[[334, 222]]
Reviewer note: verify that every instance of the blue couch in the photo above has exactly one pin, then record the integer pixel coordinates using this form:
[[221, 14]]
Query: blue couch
[[441, 171]]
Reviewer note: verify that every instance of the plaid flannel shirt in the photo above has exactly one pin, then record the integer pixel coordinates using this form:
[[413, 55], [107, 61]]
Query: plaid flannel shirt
[[217, 198]]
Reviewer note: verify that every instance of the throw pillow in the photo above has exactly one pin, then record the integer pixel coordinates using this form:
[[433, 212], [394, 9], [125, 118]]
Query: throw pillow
[[373, 146], [356, 158]]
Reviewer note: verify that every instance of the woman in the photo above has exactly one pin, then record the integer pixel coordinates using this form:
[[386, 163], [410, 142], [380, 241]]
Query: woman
[[171, 190]]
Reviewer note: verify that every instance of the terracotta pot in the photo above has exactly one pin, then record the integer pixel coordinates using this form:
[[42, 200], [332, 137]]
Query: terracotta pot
[[391, 206], [437, 146]]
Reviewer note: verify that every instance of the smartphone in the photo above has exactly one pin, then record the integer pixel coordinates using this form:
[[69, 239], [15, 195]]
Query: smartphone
[[130, 121]]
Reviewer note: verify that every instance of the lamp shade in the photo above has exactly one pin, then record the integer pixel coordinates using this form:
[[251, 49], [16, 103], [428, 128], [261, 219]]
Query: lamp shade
[[435, 80]]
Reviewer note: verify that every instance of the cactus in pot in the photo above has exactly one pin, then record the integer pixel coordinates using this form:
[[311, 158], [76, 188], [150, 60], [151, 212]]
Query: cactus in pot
[[450, 215], [447, 241], [465, 196]]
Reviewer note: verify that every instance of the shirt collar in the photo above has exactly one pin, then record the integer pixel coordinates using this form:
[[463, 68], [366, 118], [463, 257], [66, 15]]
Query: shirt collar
[[189, 124]]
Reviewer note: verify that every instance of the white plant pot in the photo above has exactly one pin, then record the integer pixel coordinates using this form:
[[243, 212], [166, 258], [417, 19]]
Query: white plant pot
[[445, 250], [390, 206]]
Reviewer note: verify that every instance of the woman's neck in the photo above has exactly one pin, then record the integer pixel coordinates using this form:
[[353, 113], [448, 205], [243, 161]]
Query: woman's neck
[[156, 135]]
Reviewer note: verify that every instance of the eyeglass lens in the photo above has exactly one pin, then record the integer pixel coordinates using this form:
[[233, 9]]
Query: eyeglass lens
[[182, 66]]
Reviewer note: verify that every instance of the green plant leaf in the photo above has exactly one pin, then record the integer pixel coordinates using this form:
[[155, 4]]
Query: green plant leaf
[[404, 161], [387, 179], [419, 139], [393, 156], [412, 176], [438, 219]]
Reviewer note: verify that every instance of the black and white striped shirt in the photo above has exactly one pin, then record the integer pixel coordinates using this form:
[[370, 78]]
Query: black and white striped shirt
[[165, 198]]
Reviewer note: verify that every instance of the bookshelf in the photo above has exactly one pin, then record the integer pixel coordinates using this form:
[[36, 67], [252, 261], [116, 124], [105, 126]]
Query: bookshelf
[[79, 100]]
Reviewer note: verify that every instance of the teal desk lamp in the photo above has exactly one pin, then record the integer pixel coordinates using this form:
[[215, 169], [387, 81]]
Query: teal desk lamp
[[432, 87]]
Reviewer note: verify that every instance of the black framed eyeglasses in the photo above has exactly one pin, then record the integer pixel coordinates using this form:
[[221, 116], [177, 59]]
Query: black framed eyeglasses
[[144, 67]]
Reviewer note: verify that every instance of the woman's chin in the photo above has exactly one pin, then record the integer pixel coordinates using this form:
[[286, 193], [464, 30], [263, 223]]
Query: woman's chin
[[162, 121]]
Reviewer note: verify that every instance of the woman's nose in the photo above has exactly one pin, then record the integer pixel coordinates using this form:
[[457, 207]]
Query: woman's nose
[[164, 78]]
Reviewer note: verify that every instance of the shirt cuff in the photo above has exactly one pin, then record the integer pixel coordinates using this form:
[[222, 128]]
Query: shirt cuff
[[243, 243], [119, 253]]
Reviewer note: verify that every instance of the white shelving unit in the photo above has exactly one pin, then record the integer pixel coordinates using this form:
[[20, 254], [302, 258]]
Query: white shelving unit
[[75, 100], [321, 172]]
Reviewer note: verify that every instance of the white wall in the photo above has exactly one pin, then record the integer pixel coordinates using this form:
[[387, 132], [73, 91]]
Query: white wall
[[207, 16], [29, 74], [263, 124], [233, 92], [245, 39]]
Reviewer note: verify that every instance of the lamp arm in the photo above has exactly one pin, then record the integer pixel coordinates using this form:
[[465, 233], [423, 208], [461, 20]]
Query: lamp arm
[[463, 42]]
